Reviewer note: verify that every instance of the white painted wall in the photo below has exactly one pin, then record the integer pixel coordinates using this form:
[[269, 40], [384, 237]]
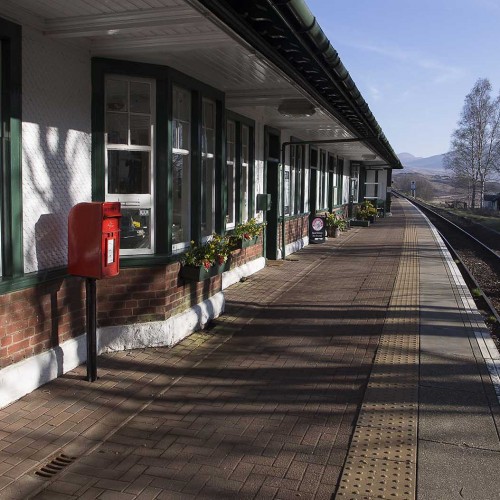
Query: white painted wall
[[56, 145]]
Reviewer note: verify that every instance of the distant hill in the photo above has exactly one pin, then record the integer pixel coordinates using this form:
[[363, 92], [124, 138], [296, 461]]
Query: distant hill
[[408, 157], [418, 164]]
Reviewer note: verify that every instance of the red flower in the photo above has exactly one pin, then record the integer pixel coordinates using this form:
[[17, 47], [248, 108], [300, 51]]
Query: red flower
[[246, 236], [220, 259], [207, 264]]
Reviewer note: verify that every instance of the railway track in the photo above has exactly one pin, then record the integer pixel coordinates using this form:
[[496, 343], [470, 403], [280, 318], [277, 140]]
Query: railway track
[[478, 262]]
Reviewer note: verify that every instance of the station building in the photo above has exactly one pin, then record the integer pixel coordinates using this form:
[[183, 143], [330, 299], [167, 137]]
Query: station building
[[185, 112]]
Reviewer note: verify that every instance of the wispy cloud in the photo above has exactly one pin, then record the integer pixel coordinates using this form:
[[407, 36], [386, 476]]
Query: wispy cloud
[[440, 72], [375, 93]]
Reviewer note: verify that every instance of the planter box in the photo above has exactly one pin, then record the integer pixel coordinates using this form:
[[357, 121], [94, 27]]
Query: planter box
[[247, 243], [361, 223], [200, 273]]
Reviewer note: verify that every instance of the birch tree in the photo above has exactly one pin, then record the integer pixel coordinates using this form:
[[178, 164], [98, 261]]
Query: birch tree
[[475, 144]]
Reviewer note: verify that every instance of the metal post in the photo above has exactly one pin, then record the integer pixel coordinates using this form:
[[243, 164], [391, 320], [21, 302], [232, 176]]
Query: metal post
[[90, 287]]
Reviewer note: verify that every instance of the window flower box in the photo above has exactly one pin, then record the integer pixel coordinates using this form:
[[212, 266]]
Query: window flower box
[[203, 261], [246, 234]]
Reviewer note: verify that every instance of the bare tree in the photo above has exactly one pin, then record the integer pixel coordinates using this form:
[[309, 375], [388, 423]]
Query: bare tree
[[475, 144]]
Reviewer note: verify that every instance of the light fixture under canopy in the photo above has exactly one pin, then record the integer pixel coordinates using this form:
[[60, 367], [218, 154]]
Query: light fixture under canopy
[[296, 108]]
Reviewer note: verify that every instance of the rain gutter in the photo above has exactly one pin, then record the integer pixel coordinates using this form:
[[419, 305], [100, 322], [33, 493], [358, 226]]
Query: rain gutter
[[307, 25]]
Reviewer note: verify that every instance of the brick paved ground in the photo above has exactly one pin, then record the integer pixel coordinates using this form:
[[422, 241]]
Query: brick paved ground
[[261, 406]]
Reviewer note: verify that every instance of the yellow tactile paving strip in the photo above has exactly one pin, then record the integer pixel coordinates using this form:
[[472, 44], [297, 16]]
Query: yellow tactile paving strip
[[381, 462]]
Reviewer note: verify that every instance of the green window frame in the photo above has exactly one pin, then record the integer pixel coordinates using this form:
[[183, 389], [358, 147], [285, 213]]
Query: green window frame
[[355, 181], [243, 165], [322, 182], [340, 177], [332, 180], [297, 167], [11, 212]]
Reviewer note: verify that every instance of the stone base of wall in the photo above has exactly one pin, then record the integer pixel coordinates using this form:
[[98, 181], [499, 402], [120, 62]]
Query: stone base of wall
[[234, 275]]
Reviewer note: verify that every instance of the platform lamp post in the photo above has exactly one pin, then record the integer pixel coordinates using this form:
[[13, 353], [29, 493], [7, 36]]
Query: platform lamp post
[[305, 143]]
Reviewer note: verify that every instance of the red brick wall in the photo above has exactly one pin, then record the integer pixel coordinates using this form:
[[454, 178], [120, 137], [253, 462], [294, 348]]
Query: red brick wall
[[149, 294], [38, 318], [35, 319], [240, 257], [295, 229]]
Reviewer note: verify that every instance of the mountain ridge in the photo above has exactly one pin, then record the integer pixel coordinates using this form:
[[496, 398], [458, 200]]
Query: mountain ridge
[[418, 163]]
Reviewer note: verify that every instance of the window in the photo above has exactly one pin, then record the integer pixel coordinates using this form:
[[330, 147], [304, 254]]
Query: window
[[245, 172], [208, 168], [355, 182], [332, 180], [293, 175], [287, 189], [339, 181], [129, 159], [231, 173], [322, 183], [181, 169], [297, 174], [239, 169], [371, 184], [157, 155]]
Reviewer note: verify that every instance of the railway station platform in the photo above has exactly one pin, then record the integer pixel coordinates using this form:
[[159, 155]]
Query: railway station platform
[[354, 369]]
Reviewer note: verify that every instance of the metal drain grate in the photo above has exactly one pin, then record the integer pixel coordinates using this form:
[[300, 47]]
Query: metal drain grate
[[54, 466]]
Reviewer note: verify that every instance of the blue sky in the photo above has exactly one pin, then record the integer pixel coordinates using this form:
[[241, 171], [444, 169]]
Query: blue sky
[[414, 62]]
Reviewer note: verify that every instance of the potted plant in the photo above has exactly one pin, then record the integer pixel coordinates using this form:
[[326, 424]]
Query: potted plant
[[202, 261], [366, 213], [246, 233], [335, 223]]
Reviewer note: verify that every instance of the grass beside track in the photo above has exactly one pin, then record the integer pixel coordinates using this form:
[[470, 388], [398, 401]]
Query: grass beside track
[[490, 221]]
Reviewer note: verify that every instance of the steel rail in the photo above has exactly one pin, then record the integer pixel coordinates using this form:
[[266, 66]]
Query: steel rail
[[448, 221], [469, 277]]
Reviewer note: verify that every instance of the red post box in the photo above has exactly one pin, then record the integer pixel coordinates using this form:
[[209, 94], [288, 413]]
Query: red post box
[[94, 239]]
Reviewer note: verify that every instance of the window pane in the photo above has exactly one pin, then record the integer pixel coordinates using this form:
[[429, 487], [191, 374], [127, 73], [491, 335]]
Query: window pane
[[117, 128], [135, 230], [140, 130], [182, 104], [245, 153], [207, 169], [209, 114], [181, 165], [129, 172], [116, 95], [231, 166], [180, 180], [287, 191], [245, 139], [181, 135], [140, 100]]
